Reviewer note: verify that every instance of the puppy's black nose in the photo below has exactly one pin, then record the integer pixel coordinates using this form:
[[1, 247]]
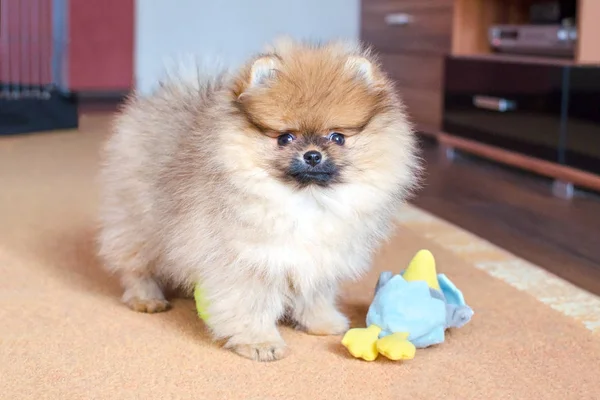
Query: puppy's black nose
[[312, 157]]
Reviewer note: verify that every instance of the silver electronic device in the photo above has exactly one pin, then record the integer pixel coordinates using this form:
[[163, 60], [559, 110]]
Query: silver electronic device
[[547, 40]]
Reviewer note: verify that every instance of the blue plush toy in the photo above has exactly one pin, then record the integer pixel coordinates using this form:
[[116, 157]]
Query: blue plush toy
[[410, 310]]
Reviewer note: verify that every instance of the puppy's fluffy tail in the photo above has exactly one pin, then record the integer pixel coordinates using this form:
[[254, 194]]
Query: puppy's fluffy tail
[[188, 75], [187, 85]]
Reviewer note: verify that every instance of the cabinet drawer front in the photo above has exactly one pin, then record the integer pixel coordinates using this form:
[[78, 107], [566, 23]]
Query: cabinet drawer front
[[424, 107], [418, 79], [411, 25], [414, 71], [515, 106]]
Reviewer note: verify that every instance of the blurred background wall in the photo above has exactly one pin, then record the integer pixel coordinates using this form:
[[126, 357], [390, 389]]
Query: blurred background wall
[[103, 48], [230, 29]]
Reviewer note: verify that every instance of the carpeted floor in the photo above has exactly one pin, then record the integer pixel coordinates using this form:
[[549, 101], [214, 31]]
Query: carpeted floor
[[64, 334]]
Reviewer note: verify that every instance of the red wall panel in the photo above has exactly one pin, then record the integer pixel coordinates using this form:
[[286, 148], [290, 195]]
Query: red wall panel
[[101, 45]]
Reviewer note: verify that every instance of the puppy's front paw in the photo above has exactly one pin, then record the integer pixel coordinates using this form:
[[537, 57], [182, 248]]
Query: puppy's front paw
[[325, 323], [268, 351], [142, 294], [149, 306]]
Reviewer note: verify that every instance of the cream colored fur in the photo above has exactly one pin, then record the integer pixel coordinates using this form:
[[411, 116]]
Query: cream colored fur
[[187, 197]]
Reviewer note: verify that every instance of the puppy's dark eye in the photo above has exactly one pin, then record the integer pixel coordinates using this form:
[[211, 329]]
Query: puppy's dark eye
[[285, 139], [337, 138]]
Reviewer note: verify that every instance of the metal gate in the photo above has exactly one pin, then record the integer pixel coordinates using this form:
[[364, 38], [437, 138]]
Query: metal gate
[[29, 98]]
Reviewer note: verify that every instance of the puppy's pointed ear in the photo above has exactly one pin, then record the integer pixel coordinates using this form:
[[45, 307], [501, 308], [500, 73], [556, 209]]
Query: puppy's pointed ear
[[362, 68], [259, 74], [263, 70]]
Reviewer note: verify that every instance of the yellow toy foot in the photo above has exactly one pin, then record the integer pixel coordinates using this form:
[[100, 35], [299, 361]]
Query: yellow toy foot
[[361, 342], [396, 347]]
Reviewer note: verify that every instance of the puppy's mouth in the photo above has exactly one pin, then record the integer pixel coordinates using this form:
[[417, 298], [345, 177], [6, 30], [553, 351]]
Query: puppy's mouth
[[323, 174]]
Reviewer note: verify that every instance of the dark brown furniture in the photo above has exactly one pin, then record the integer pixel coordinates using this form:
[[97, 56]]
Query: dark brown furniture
[[425, 43], [412, 37]]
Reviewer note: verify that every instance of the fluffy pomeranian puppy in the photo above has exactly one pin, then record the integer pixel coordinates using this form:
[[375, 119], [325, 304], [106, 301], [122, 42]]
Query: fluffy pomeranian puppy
[[268, 185]]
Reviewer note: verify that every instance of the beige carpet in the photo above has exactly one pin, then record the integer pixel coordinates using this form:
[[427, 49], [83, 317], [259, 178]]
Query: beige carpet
[[64, 334]]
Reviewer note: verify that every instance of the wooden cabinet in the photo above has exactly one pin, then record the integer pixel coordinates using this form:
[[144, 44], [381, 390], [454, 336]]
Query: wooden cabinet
[[457, 88], [412, 37]]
